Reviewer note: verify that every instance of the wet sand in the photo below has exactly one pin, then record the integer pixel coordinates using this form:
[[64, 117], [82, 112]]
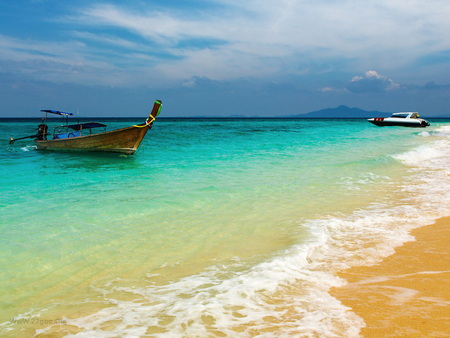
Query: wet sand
[[408, 294]]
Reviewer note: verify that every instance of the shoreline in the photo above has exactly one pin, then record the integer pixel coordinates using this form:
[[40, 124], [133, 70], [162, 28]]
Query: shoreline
[[407, 294]]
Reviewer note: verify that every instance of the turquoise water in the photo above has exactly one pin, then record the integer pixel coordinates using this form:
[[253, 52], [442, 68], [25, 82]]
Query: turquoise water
[[215, 227]]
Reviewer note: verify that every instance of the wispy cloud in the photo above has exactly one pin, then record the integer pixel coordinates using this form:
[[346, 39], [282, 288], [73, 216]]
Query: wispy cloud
[[282, 34], [229, 39]]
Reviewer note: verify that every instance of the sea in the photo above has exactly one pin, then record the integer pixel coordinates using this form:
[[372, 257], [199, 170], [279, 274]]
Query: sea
[[214, 228]]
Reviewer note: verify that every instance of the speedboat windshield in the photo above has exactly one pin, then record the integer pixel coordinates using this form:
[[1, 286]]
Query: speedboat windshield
[[400, 115]]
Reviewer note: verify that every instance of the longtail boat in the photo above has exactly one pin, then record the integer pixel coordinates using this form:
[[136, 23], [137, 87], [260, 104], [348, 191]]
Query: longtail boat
[[79, 137]]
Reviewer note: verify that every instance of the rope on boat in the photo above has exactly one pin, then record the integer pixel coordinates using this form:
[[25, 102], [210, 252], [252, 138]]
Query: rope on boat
[[150, 118], [147, 122]]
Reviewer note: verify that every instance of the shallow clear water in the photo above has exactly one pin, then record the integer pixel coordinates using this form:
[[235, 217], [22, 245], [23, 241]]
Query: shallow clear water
[[214, 228]]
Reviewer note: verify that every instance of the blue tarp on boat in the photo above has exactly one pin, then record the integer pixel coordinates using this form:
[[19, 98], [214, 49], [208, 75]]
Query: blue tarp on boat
[[86, 125], [55, 112], [67, 135]]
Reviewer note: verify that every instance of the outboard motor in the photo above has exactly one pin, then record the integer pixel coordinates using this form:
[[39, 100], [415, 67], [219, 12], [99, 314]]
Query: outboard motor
[[42, 131]]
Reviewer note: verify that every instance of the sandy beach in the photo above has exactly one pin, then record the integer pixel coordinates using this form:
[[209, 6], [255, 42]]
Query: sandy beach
[[408, 294]]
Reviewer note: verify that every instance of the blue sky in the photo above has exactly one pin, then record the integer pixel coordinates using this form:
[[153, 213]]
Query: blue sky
[[223, 57]]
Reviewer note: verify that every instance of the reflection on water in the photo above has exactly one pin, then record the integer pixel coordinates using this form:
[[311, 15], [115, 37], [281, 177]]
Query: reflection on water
[[86, 161]]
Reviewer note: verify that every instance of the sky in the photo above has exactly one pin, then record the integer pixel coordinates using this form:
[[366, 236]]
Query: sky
[[223, 57]]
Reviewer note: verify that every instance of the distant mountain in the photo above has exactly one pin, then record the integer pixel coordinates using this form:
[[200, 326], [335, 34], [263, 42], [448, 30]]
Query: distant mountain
[[342, 112]]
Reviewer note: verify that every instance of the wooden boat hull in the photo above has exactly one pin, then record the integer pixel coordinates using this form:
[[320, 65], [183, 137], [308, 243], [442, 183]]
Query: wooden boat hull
[[125, 140]]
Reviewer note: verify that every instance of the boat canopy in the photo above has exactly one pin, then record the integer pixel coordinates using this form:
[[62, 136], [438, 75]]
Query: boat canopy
[[87, 125], [57, 112]]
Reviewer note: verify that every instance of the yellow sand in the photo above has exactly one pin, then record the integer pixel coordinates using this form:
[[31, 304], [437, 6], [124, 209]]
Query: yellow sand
[[408, 294]]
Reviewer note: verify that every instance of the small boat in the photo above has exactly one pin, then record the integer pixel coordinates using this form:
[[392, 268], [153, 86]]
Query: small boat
[[79, 137], [410, 119]]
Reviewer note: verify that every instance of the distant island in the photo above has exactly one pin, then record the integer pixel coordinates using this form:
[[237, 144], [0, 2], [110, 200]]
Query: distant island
[[341, 112], [344, 112]]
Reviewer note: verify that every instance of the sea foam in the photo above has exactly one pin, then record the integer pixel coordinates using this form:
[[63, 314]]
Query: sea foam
[[244, 302]]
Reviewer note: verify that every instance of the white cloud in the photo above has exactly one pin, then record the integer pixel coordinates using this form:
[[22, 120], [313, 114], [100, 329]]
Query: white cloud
[[371, 82], [369, 74], [326, 89]]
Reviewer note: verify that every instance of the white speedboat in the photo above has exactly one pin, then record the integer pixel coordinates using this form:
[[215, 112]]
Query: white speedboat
[[410, 119]]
